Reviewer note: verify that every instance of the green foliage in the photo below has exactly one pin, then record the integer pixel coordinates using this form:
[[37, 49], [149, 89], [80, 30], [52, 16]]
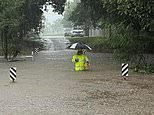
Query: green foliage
[[150, 69], [133, 21], [145, 69], [69, 8], [98, 44], [79, 16], [132, 49], [18, 18], [136, 14], [87, 13]]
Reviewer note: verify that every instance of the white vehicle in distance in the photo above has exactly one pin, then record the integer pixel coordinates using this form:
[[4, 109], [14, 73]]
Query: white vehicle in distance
[[67, 31], [77, 32]]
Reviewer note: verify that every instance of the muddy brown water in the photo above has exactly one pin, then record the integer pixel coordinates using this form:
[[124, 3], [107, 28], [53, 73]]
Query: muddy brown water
[[50, 86]]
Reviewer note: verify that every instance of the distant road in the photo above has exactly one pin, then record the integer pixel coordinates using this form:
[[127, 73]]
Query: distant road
[[54, 43]]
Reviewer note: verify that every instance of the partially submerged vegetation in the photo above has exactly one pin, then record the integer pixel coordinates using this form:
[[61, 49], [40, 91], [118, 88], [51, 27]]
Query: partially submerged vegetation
[[140, 59], [98, 44], [20, 22], [130, 28], [129, 23]]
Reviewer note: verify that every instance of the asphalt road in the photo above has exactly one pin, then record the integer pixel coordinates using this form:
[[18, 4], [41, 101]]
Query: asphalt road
[[50, 86]]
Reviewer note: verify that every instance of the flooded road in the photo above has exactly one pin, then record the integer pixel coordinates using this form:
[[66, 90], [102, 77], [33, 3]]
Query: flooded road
[[50, 86], [54, 43]]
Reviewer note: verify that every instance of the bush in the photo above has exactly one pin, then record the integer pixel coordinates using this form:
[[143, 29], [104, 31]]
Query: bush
[[133, 49], [98, 44]]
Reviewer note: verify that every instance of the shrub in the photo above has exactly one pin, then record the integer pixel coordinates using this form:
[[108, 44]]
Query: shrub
[[98, 44]]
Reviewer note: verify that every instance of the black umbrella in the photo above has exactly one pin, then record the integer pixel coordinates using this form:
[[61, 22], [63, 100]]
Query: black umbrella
[[77, 46]]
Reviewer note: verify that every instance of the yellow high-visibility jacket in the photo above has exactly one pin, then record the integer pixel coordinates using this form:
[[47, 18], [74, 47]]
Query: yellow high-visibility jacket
[[80, 65]]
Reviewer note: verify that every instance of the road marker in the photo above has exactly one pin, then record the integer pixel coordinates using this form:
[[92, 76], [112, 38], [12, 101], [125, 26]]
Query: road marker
[[36, 50], [13, 74], [31, 56], [124, 70]]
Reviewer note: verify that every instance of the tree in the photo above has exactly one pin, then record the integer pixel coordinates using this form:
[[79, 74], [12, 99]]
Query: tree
[[87, 14], [80, 17], [132, 20], [9, 21], [69, 8], [18, 17]]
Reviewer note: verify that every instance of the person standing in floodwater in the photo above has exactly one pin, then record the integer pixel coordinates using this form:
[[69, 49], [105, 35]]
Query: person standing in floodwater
[[80, 61]]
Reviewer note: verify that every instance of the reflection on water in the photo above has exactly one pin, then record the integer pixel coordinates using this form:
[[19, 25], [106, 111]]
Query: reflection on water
[[54, 43]]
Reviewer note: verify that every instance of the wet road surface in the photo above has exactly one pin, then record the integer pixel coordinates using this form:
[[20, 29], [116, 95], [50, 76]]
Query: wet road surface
[[50, 86]]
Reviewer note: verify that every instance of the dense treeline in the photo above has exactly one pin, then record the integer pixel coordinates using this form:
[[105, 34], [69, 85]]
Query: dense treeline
[[130, 26], [21, 18]]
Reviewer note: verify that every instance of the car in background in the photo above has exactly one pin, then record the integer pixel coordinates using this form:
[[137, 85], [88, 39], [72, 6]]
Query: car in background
[[67, 31], [77, 32]]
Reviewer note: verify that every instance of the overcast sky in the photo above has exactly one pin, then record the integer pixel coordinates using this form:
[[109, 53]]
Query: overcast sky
[[51, 16]]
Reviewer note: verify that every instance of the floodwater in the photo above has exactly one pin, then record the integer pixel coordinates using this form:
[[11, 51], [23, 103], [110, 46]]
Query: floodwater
[[54, 43], [49, 86]]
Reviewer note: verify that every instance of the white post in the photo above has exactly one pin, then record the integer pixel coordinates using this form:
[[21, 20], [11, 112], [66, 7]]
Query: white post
[[32, 56]]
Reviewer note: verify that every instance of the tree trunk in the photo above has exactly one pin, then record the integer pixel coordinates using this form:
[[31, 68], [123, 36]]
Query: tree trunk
[[110, 30], [6, 43], [87, 31], [2, 41]]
